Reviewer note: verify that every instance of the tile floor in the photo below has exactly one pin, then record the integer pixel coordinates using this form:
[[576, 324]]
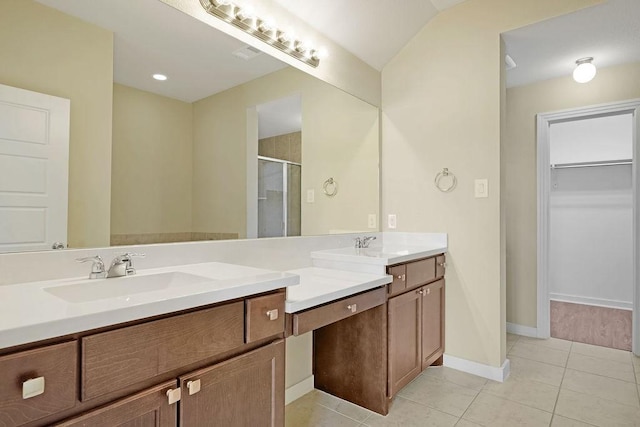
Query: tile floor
[[552, 383]]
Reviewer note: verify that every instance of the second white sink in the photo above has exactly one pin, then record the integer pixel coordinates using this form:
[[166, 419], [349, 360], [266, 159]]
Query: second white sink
[[97, 289]]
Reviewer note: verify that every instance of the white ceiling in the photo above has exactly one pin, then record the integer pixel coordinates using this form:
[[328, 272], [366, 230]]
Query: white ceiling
[[152, 37], [610, 33], [280, 117], [373, 30]]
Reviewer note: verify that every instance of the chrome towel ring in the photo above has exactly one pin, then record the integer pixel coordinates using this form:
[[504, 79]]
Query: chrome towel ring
[[448, 176], [330, 187]]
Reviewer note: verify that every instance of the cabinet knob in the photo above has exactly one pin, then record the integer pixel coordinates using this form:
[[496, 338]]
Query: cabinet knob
[[352, 308], [428, 291], [401, 277], [193, 386], [420, 291], [33, 387], [273, 314], [174, 395], [442, 264]]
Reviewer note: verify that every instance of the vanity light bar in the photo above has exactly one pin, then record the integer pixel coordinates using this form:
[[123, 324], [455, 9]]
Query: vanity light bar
[[262, 30]]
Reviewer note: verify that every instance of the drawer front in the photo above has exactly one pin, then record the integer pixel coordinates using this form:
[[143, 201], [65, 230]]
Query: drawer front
[[116, 359], [440, 265], [420, 272], [399, 284], [318, 317], [265, 316], [38, 383]]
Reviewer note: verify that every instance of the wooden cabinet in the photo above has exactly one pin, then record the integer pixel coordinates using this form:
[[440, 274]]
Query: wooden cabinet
[[245, 391], [432, 323], [149, 408]]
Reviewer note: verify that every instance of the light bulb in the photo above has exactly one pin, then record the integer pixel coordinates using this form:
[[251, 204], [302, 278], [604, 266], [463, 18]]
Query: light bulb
[[585, 70], [160, 77]]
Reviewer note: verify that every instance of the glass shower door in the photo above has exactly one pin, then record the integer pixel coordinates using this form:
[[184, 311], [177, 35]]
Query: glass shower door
[[271, 212]]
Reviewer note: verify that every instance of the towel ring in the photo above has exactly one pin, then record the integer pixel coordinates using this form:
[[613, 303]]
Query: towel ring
[[445, 174], [330, 187]]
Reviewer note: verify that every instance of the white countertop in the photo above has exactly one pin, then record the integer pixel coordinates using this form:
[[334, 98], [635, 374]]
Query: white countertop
[[322, 285], [385, 255], [31, 313]]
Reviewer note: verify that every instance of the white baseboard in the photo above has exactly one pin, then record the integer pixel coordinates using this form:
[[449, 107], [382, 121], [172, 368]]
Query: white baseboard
[[599, 302], [525, 331], [485, 371], [298, 390]]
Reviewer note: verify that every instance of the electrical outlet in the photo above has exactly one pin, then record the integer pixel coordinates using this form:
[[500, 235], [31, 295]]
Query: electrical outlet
[[392, 221], [311, 196], [481, 188], [372, 223]]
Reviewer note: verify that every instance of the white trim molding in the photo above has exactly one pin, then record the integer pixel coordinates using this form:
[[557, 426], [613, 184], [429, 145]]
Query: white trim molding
[[296, 391], [544, 121], [522, 330], [485, 371], [598, 302]]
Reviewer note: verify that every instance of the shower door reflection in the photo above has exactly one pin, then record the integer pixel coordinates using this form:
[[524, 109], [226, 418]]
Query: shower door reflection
[[279, 204]]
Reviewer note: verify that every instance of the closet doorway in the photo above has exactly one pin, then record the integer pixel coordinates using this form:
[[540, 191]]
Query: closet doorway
[[588, 225]]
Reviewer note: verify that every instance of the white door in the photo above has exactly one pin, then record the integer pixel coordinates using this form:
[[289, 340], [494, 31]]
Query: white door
[[34, 159]]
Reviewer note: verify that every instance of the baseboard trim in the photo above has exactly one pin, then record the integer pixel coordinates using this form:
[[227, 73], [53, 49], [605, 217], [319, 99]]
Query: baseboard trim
[[599, 302], [296, 391], [525, 331], [485, 371]]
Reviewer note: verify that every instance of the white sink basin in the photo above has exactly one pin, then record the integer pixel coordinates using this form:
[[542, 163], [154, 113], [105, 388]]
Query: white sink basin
[[98, 289]]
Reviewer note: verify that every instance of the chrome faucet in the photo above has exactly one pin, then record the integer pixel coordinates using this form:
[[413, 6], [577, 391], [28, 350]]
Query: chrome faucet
[[122, 265], [97, 268], [363, 242]]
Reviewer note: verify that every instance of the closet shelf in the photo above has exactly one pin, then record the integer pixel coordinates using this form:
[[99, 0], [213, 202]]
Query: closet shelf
[[592, 164]]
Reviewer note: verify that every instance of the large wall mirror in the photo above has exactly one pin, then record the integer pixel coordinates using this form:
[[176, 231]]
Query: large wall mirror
[[233, 144]]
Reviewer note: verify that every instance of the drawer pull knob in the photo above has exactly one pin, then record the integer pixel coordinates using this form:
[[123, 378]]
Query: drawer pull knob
[[352, 308], [428, 291], [174, 395], [273, 314], [193, 386], [442, 264], [33, 387], [401, 277]]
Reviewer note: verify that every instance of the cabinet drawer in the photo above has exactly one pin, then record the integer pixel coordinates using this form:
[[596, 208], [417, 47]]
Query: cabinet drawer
[[399, 284], [321, 316], [265, 316], [52, 371], [116, 359], [420, 272], [440, 265]]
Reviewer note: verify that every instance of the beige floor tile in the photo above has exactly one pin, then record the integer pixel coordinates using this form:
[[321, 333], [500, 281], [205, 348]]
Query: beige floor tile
[[536, 371], [410, 414], [612, 354], [554, 343], [560, 421], [441, 395], [596, 411], [349, 409], [540, 353], [530, 393], [599, 386], [457, 377], [304, 412], [512, 337], [489, 410], [594, 365], [466, 423]]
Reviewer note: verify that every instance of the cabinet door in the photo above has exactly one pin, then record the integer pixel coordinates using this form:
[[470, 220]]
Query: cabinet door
[[432, 322], [149, 408], [247, 390], [405, 335]]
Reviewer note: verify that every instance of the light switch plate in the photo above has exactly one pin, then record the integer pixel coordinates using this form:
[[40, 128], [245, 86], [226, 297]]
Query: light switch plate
[[481, 188], [392, 221], [371, 222], [311, 196]]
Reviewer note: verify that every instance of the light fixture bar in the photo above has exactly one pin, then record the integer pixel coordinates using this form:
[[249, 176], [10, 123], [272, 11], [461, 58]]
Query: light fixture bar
[[262, 30]]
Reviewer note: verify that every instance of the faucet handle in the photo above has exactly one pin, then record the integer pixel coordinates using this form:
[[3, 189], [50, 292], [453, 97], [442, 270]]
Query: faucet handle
[[126, 259], [97, 268]]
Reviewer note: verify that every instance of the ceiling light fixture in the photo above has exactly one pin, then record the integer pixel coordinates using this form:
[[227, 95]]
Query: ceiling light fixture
[[160, 77], [585, 70], [265, 30]]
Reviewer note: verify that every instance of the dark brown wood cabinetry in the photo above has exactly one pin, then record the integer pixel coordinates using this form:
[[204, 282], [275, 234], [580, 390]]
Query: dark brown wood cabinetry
[[226, 359]]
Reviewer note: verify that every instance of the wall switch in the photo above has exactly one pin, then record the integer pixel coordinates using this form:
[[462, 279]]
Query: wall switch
[[481, 188], [372, 223], [392, 221], [311, 196]]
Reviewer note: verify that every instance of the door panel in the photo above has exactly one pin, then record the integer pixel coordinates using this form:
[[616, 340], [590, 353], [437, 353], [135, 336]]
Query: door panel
[[432, 322], [405, 331]]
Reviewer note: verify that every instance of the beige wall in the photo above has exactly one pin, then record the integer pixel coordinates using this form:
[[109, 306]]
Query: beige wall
[[523, 103], [339, 139], [152, 163], [441, 108], [46, 51]]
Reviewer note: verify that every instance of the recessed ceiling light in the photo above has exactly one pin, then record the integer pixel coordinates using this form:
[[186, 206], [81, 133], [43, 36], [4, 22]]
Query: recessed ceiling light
[[160, 77]]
